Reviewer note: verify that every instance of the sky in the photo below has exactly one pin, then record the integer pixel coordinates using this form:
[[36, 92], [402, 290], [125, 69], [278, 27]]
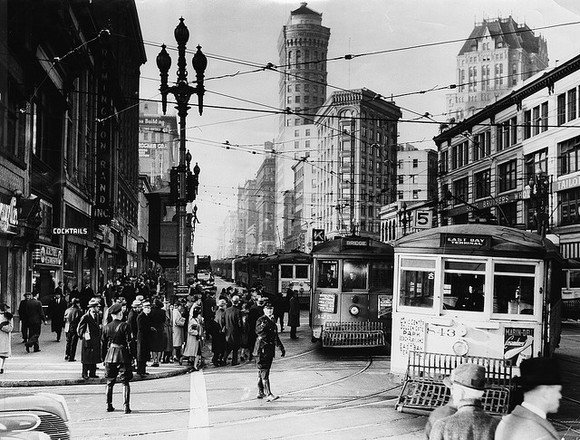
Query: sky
[[403, 48]]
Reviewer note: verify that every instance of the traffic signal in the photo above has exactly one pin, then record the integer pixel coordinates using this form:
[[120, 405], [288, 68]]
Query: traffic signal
[[174, 185], [192, 184]]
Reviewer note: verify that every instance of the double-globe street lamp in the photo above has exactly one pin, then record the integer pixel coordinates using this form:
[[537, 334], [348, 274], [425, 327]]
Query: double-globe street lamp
[[182, 91]]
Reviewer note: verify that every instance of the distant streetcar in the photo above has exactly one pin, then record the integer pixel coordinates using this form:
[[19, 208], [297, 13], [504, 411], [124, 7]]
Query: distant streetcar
[[285, 270], [352, 292]]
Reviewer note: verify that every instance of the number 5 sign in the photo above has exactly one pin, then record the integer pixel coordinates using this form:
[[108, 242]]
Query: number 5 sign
[[423, 219]]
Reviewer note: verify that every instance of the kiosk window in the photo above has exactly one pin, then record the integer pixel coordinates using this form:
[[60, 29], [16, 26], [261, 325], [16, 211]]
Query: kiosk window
[[464, 286], [302, 272], [327, 273], [514, 292], [417, 288], [354, 275]]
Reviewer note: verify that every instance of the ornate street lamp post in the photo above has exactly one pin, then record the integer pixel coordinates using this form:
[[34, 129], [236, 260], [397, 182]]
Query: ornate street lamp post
[[182, 91]]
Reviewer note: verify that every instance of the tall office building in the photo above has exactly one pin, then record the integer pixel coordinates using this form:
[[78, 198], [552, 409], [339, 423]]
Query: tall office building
[[498, 56], [302, 48]]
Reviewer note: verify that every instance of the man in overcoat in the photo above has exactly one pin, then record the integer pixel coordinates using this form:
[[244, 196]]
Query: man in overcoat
[[541, 384], [256, 310], [218, 335], [265, 349], [56, 309], [132, 321], [116, 356], [72, 317], [234, 324], [89, 331], [144, 334], [470, 422], [35, 317], [23, 317]]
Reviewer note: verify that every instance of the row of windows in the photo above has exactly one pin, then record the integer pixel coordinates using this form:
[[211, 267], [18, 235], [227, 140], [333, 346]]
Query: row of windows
[[400, 194], [314, 88], [536, 120], [567, 106]]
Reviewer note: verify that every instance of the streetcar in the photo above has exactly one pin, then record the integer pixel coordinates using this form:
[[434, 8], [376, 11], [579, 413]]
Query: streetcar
[[282, 271], [477, 293], [352, 292], [224, 268], [246, 270], [571, 290]]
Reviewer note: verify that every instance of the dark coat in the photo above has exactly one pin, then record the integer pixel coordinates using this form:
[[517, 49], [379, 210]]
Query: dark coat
[[266, 342], [34, 312], [294, 312], [470, 422], [56, 314], [144, 335], [90, 348], [85, 296], [72, 317], [438, 413], [233, 317], [115, 342], [158, 338], [523, 423]]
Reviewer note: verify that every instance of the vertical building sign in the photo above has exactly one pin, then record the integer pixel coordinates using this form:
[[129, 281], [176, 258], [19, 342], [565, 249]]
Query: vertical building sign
[[102, 206]]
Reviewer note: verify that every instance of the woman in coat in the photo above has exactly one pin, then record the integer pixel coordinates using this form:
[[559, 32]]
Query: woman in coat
[[145, 331], [6, 327], [157, 346], [89, 331], [178, 323], [194, 332], [167, 333]]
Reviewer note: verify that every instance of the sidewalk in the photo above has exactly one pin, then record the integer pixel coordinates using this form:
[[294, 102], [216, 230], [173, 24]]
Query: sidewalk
[[48, 367]]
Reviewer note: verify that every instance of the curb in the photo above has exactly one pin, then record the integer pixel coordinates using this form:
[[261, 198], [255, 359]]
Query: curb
[[81, 381]]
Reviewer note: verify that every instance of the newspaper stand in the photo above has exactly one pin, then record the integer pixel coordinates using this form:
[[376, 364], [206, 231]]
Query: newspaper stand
[[423, 388]]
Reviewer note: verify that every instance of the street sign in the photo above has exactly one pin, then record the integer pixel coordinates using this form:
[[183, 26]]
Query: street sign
[[181, 290], [318, 235], [423, 219]]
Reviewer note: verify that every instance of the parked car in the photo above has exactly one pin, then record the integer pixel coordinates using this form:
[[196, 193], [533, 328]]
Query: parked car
[[39, 416]]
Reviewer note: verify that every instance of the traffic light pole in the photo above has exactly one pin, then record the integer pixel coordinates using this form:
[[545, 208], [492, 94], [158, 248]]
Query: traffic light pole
[[182, 92]]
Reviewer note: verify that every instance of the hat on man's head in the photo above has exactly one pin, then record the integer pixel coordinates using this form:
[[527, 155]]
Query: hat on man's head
[[115, 308], [538, 371], [27, 293], [94, 302], [146, 304], [4, 307], [136, 303], [75, 301], [469, 375], [268, 305], [139, 297]]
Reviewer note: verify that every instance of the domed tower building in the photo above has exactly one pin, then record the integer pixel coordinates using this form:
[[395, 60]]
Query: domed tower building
[[302, 49]]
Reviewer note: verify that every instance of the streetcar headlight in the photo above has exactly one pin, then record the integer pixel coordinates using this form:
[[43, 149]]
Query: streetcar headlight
[[354, 310], [460, 347]]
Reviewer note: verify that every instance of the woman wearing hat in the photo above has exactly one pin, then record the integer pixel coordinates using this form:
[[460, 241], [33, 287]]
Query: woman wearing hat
[[6, 327], [89, 332], [541, 384]]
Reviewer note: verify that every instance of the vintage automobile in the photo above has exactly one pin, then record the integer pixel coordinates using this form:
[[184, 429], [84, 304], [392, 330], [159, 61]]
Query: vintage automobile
[[39, 416]]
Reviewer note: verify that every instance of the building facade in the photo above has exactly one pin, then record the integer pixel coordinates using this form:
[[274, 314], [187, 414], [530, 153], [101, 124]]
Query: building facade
[[302, 49], [356, 162], [516, 162], [498, 55]]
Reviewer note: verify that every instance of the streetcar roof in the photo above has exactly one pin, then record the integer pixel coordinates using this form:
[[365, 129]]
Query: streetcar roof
[[289, 257], [340, 247], [493, 241]]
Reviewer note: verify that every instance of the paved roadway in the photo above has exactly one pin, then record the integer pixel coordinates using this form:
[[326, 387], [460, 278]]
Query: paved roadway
[[324, 395]]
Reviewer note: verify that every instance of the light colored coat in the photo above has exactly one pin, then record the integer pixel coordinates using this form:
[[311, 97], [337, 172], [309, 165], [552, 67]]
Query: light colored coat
[[177, 321], [6, 336], [193, 344], [525, 424], [470, 422]]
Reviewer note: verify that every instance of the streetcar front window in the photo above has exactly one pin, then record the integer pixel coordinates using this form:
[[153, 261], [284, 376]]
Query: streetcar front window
[[327, 273], [302, 272], [574, 279], [354, 275], [513, 290], [286, 271], [380, 275], [417, 288], [464, 286]]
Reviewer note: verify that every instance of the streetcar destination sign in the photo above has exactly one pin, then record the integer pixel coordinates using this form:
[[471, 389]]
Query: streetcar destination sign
[[466, 241]]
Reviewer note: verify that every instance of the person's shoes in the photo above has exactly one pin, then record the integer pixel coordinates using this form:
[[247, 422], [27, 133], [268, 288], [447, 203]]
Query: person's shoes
[[57, 339], [85, 377], [293, 337], [110, 408], [282, 330], [27, 349], [272, 397], [66, 358], [155, 364], [260, 395], [36, 350], [127, 409], [94, 376], [1, 370], [24, 341], [72, 360], [234, 364]]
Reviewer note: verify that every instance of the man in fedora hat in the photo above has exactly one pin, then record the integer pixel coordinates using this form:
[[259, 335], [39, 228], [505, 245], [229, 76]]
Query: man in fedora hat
[[72, 317], [470, 422], [541, 384], [89, 330]]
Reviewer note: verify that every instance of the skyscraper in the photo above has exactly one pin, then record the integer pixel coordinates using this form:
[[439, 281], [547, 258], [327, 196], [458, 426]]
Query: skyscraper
[[302, 48]]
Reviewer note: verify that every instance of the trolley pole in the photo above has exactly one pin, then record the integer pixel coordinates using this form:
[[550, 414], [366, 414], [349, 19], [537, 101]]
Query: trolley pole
[[182, 91]]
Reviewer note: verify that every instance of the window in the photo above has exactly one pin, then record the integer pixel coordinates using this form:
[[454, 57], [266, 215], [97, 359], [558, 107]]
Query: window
[[296, 133], [527, 124], [482, 145], [400, 179], [459, 155], [464, 285], [354, 276], [482, 184], [327, 273], [536, 116], [513, 288], [286, 271], [569, 154], [416, 193], [461, 190], [561, 109], [400, 195], [415, 163], [544, 116], [380, 275], [508, 176], [12, 123], [569, 205], [572, 104], [417, 287]]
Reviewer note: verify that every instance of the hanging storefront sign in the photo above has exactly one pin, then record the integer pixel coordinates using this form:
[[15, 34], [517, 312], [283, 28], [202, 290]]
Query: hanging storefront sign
[[8, 216], [46, 255]]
